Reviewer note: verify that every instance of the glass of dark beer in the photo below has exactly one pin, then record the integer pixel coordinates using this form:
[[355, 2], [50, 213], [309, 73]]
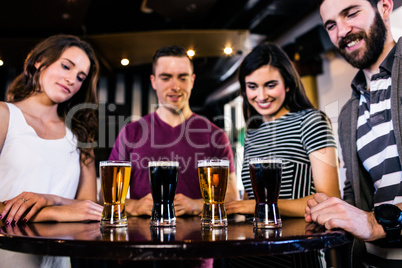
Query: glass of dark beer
[[163, 180], [266, 179], [213, 176], [115, 181]]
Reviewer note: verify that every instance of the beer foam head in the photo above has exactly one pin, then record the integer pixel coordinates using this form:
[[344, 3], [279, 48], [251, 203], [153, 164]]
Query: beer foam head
[[266, 160], [115, 163], [213, 163], [163, 164]]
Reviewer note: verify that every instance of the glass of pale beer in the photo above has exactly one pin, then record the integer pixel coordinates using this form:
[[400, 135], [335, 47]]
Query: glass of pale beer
[[115, 181], [266, 179], [213, 176], [163, 180]]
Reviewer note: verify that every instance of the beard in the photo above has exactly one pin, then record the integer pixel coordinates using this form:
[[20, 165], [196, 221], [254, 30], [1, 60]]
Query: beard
[[375, 44]]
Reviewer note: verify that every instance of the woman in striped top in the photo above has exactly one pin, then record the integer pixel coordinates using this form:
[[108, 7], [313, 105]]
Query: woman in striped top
[[281, 122]]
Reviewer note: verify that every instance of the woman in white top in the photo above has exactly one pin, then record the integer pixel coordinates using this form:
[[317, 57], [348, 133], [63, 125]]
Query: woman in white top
[[47, 130]]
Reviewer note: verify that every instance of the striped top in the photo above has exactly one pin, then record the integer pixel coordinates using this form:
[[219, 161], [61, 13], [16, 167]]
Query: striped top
[[292, 137], [376, 144]]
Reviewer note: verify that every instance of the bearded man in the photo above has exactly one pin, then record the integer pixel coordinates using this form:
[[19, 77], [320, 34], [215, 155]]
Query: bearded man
[[370, 126]]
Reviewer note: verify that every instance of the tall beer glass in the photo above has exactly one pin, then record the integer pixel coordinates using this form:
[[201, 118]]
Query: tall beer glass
[[213, 176], [266, 179], [115, 180], [163, 180]]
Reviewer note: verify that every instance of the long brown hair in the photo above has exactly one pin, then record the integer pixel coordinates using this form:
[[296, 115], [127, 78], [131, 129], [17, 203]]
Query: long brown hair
[[84, 121], [272, 55]]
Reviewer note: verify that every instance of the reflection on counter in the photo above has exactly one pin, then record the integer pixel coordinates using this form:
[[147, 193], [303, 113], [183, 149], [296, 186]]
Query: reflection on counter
[[188, 229], [214, 234], [141, 242], [115, 234], [265, 233], [163, 234]]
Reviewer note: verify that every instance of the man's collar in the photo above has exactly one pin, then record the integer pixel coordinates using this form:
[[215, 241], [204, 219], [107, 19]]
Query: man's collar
[[359, 83], [386, 65]]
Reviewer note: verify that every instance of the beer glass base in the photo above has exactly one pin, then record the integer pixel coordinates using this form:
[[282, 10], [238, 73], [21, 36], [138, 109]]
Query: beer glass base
[[114, 215], [268, 225], [214, 215], [163, 223], [113, 224], [214, 223], [163, 214], [267, 216]]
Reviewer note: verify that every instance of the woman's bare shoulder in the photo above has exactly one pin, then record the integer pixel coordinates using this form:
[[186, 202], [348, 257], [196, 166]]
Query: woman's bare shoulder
[[5, 117], [4, 112]]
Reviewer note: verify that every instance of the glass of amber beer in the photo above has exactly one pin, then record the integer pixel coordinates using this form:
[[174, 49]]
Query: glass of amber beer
[[213, 176], [163, 180], [266, 179], [115, 180]]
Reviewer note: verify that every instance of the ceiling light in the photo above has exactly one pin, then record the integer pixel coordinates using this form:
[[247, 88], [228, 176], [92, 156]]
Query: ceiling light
[[228, 50], [125, 62], [296, 56], [1, 63], [66, 16], [190, 53]]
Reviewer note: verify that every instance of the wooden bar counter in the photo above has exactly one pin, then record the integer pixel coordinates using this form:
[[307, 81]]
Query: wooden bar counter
[[187, 240]]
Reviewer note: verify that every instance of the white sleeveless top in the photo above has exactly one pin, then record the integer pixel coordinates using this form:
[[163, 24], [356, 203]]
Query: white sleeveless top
[[30, 163]]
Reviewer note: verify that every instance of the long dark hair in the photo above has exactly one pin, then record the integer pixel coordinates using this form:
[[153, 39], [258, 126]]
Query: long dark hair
[[84, 122], [270, 54]]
